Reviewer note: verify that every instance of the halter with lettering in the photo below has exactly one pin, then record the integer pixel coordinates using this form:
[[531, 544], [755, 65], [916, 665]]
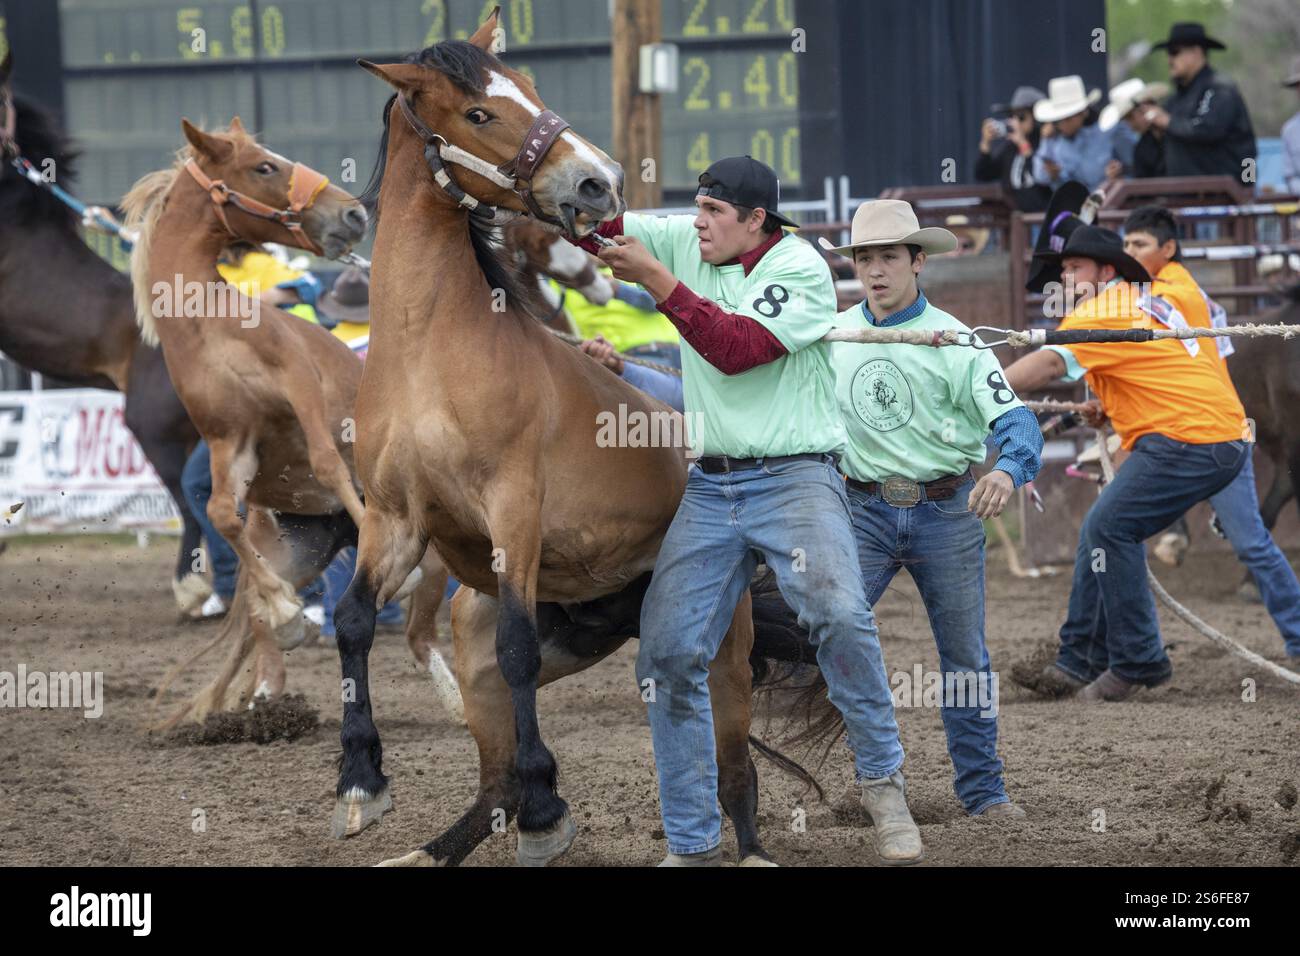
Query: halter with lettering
[[305, 184], [516, 175]]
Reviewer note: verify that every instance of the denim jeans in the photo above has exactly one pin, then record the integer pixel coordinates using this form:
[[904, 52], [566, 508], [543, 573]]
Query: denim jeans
[[1238, 510], [334, 580], [1111, 620], [795, 517], [196, 483], [941, 543]]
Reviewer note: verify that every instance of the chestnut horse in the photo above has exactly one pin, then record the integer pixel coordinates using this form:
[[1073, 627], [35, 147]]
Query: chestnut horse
[[478, 435], [271, 394], [66, 313]]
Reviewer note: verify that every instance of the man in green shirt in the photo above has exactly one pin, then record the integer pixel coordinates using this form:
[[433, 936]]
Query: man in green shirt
[[917, 419], [752, 305]]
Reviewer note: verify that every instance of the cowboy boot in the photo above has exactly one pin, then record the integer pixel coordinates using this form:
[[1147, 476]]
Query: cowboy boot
[[898, 839], [707, 858], [1109, 686]]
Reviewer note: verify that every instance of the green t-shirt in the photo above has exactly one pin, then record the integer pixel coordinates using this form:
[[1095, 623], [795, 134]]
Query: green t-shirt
[[786, 407], [919, 413]]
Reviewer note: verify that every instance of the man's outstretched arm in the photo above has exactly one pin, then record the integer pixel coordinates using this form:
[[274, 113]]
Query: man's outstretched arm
[[1034, 371]]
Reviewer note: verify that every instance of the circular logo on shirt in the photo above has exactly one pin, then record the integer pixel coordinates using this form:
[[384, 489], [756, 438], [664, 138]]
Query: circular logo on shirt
[[881, 395]]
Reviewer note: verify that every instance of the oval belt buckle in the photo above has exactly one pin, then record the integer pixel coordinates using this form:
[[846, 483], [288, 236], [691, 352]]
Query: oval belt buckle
[[900, 492]]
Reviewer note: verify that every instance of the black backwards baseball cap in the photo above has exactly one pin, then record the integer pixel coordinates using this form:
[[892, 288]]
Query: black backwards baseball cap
[[744, 181]]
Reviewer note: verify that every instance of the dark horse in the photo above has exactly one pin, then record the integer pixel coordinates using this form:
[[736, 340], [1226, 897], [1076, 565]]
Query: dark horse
[[66, 313], [1267, 375]]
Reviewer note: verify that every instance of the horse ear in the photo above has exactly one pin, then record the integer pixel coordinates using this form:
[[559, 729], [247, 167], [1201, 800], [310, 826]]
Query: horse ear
[[211, 146], [6, 67], [405, 77], [486, 35], [236, 126]]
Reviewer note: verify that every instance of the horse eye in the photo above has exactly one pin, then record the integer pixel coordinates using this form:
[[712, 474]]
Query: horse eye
[[266, 169], [477, 116]]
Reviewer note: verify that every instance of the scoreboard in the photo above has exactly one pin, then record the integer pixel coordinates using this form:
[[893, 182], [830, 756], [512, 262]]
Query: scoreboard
[[132, 68]]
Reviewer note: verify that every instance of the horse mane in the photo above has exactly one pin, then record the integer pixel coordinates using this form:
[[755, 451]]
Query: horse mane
[[39, 138], [142, 206], [464, 64]]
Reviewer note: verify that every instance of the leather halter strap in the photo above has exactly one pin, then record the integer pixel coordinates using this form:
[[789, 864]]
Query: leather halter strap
[[516, 175], [305, 184]]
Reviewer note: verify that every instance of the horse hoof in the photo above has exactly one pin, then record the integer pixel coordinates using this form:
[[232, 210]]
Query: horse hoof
[[417, 858], [190, 593], [756, 860], [292, 633], [539, 849], [355, 810]]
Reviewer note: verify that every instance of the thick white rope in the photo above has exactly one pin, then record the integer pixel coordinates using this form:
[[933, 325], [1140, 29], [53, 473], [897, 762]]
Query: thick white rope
[[1032, 337], [1188, 618]]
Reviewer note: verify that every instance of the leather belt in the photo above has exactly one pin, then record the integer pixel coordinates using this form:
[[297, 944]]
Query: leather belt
[[721, 464], [904, 492]]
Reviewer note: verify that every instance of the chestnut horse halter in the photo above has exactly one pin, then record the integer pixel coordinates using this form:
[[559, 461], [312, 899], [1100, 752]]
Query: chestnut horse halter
[[305, 184], [516, 175]]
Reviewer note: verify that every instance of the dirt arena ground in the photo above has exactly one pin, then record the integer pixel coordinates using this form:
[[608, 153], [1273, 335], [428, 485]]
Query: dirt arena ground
[[1187, 774]]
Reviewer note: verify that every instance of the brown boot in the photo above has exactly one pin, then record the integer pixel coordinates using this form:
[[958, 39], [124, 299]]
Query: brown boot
[[1109, 686]]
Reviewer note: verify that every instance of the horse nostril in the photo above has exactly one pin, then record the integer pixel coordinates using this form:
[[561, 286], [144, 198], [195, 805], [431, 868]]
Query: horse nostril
[[355, 217], [593, 189]]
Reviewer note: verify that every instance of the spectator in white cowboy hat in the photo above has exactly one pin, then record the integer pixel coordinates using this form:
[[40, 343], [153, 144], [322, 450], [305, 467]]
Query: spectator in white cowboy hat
[[1205, 121], [1149, 152], [1008, 138], [916, 421], [1071, 147], [1291, 136]]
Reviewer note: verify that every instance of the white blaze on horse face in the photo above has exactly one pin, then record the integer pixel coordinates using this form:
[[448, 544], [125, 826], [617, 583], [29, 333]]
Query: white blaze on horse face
[[502, 85]]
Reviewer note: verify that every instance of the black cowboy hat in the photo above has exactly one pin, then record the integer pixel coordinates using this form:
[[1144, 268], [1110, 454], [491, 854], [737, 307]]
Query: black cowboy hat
[[1189, 34], [1059, 221], [1023, 98], [1103, 246]]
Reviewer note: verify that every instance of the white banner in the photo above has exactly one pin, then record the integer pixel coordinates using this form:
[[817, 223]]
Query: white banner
[[69, 464]]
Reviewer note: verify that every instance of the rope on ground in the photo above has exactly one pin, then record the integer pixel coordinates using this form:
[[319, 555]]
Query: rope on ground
[[1188, 618]]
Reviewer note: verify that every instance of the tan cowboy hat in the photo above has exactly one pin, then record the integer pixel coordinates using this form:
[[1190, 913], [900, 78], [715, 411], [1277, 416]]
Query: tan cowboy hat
[[1066, 96], [1127, 95], [891, 222]]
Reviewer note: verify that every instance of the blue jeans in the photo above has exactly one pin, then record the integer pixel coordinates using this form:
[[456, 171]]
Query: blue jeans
[[1238, 509], [1111, 622], [196, 483], [334, 580], [795, 516], [941, 543]]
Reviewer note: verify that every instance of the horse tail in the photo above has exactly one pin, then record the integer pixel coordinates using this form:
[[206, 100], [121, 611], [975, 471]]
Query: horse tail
[[784, 663]]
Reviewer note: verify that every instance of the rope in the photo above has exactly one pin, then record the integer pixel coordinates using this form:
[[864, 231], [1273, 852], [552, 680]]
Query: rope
[[1188, 618], [657, 366], [937, 338], [1052, 405]]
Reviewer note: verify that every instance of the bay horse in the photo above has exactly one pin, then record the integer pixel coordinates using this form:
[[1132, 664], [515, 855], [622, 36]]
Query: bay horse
[[477, 436], [68, 314], [273, 396], [541, 252]]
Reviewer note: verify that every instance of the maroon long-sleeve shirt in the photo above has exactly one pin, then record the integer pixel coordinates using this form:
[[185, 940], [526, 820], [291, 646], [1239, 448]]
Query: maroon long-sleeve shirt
[[730, 342]]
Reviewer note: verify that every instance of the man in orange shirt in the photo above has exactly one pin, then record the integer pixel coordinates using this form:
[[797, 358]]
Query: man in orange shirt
[[1151, 237], [1182, 422]]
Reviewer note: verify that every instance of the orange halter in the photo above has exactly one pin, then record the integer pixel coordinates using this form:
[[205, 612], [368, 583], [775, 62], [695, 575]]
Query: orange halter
[[305, 184]]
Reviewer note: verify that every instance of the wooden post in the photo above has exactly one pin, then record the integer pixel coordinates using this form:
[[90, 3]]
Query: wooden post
[[636, 128]]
